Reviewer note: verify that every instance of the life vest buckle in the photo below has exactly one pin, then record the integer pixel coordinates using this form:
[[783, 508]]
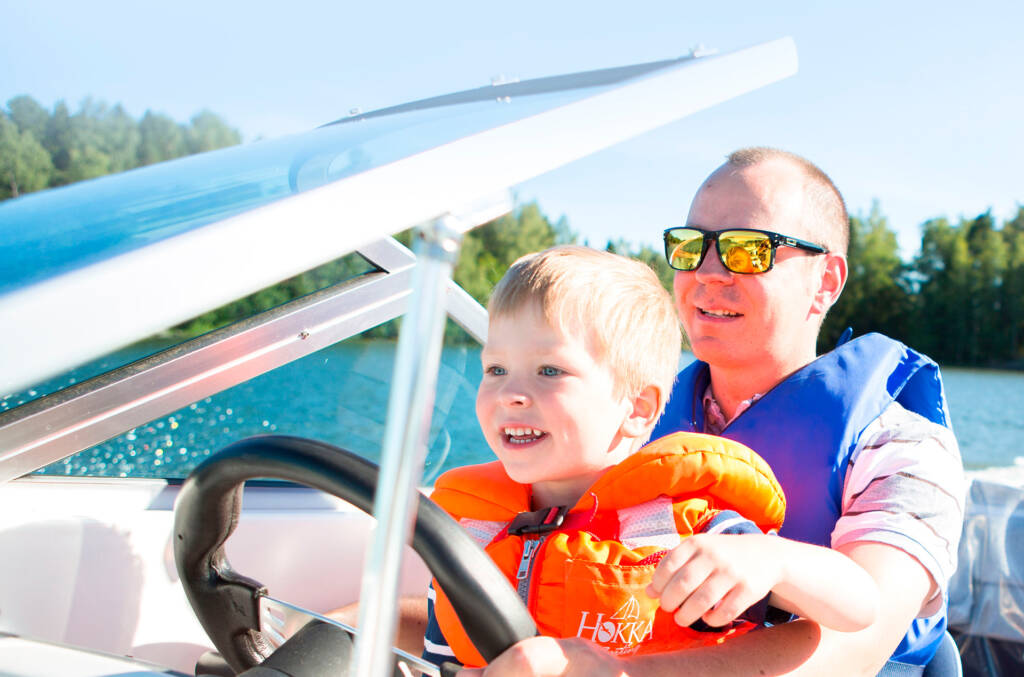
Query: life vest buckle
[[538, 522]]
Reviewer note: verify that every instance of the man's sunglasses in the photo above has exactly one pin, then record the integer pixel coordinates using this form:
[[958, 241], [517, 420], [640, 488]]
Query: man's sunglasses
[[741, 250]]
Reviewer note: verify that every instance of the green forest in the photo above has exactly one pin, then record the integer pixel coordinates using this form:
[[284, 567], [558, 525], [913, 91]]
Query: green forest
[[44, 149], [960, 299]]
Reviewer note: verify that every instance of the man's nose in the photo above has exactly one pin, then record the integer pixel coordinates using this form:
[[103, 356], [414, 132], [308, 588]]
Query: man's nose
[[711, 268]]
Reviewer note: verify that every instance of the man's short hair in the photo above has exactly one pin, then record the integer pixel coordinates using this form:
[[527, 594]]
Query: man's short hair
[[628, 317], [826, 201]]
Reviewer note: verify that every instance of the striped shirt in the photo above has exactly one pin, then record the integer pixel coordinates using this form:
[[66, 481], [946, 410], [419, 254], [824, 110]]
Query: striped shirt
[[435, 647], [905, 487]]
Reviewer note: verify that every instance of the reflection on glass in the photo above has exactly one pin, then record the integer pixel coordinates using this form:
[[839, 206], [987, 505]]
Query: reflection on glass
[[337, 395], [321, 277], [114, 360], [52, 232]]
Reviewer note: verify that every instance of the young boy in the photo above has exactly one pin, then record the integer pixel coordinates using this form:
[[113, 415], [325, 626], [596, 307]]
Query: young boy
[[581, 354]]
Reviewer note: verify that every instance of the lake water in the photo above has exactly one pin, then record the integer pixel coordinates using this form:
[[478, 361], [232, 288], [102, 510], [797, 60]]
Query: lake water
[[339, 395]]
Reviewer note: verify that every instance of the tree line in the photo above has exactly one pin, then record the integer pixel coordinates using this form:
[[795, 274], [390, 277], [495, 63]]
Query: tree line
[[960, 299], [44, 149]]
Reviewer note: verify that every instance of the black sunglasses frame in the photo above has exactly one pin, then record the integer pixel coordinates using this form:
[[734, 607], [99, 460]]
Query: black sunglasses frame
[[711, 236]]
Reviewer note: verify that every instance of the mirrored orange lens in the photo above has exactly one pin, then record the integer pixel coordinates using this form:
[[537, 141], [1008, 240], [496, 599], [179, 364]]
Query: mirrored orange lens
[[745, 252], [684, 247]]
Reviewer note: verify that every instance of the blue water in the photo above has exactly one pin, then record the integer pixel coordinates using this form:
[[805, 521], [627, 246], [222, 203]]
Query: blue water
[[986, 406], [339, 395]]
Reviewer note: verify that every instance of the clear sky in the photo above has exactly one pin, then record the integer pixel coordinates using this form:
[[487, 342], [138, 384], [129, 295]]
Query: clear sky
[[916, 104]]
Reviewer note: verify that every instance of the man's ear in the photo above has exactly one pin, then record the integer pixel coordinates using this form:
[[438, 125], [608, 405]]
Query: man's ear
[[833, 279], [646, 406]]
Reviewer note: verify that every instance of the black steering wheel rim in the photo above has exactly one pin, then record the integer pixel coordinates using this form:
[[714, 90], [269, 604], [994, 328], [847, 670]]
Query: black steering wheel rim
[[226, 602]]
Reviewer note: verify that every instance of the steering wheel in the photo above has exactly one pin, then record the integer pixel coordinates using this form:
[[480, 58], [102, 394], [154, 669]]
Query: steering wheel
[[227, 603]]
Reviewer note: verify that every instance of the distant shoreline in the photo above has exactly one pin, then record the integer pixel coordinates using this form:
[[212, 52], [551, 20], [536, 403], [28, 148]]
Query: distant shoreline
[[1014, 365]]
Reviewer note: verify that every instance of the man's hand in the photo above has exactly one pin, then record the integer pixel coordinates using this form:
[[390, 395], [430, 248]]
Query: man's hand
[[715, 577], [548, 657]]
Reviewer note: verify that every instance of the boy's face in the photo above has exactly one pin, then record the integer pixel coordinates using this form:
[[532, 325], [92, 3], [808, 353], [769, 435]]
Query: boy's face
[[547, 407]]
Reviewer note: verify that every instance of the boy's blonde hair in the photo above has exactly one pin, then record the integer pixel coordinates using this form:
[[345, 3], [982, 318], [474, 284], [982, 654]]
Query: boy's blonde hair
[[628, 318]]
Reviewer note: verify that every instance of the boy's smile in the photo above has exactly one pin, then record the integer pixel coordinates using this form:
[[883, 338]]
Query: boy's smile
[[549, 408], [523, 435]]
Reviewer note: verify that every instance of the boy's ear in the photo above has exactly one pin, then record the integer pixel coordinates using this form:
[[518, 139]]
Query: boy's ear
[[646, 408]]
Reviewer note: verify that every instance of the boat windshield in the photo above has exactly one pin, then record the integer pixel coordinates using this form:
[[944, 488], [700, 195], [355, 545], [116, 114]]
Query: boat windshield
[[345, 268], [337, 395]]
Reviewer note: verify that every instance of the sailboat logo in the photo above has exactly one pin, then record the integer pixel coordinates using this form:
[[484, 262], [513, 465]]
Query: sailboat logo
[[628, 611], [623, 630]]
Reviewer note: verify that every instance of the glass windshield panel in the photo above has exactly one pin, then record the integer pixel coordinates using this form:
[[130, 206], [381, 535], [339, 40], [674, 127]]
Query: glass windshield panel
[[321, 277], [337, 395], [56, 231]]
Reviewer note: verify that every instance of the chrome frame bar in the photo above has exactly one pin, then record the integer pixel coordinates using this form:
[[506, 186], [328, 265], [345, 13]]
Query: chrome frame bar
[[465, 312], [405, 441]]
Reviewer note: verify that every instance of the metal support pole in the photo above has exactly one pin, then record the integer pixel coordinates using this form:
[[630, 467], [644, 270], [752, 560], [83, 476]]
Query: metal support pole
[[407, 426]]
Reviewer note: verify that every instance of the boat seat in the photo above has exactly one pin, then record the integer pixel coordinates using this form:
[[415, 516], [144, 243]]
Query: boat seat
[[946, 662]]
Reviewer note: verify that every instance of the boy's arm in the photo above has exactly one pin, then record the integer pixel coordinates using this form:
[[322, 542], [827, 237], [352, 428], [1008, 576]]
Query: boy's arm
[[711, 577]]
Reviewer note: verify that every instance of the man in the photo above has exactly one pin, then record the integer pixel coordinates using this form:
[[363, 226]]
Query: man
[[859, 438]]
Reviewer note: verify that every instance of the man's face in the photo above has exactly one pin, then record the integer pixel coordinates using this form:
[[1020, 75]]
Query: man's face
[[760, 322], [546, 404]]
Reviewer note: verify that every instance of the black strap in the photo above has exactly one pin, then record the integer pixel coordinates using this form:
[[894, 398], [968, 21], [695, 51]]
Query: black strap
[[538, 521]]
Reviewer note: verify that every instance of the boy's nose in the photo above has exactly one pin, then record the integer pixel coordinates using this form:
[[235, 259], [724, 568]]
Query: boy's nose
[[516, 399]]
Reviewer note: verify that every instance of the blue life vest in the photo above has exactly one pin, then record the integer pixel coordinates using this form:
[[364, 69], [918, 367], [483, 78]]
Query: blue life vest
[[807, 427]]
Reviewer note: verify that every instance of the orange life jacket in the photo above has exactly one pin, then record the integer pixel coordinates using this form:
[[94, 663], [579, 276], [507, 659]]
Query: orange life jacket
[[587, 578]]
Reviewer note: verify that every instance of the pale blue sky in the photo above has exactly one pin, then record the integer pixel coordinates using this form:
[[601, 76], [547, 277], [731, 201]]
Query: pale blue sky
[[916, 104]]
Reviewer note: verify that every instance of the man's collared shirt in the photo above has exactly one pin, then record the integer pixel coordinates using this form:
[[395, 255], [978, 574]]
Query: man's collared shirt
[[714, 417]]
